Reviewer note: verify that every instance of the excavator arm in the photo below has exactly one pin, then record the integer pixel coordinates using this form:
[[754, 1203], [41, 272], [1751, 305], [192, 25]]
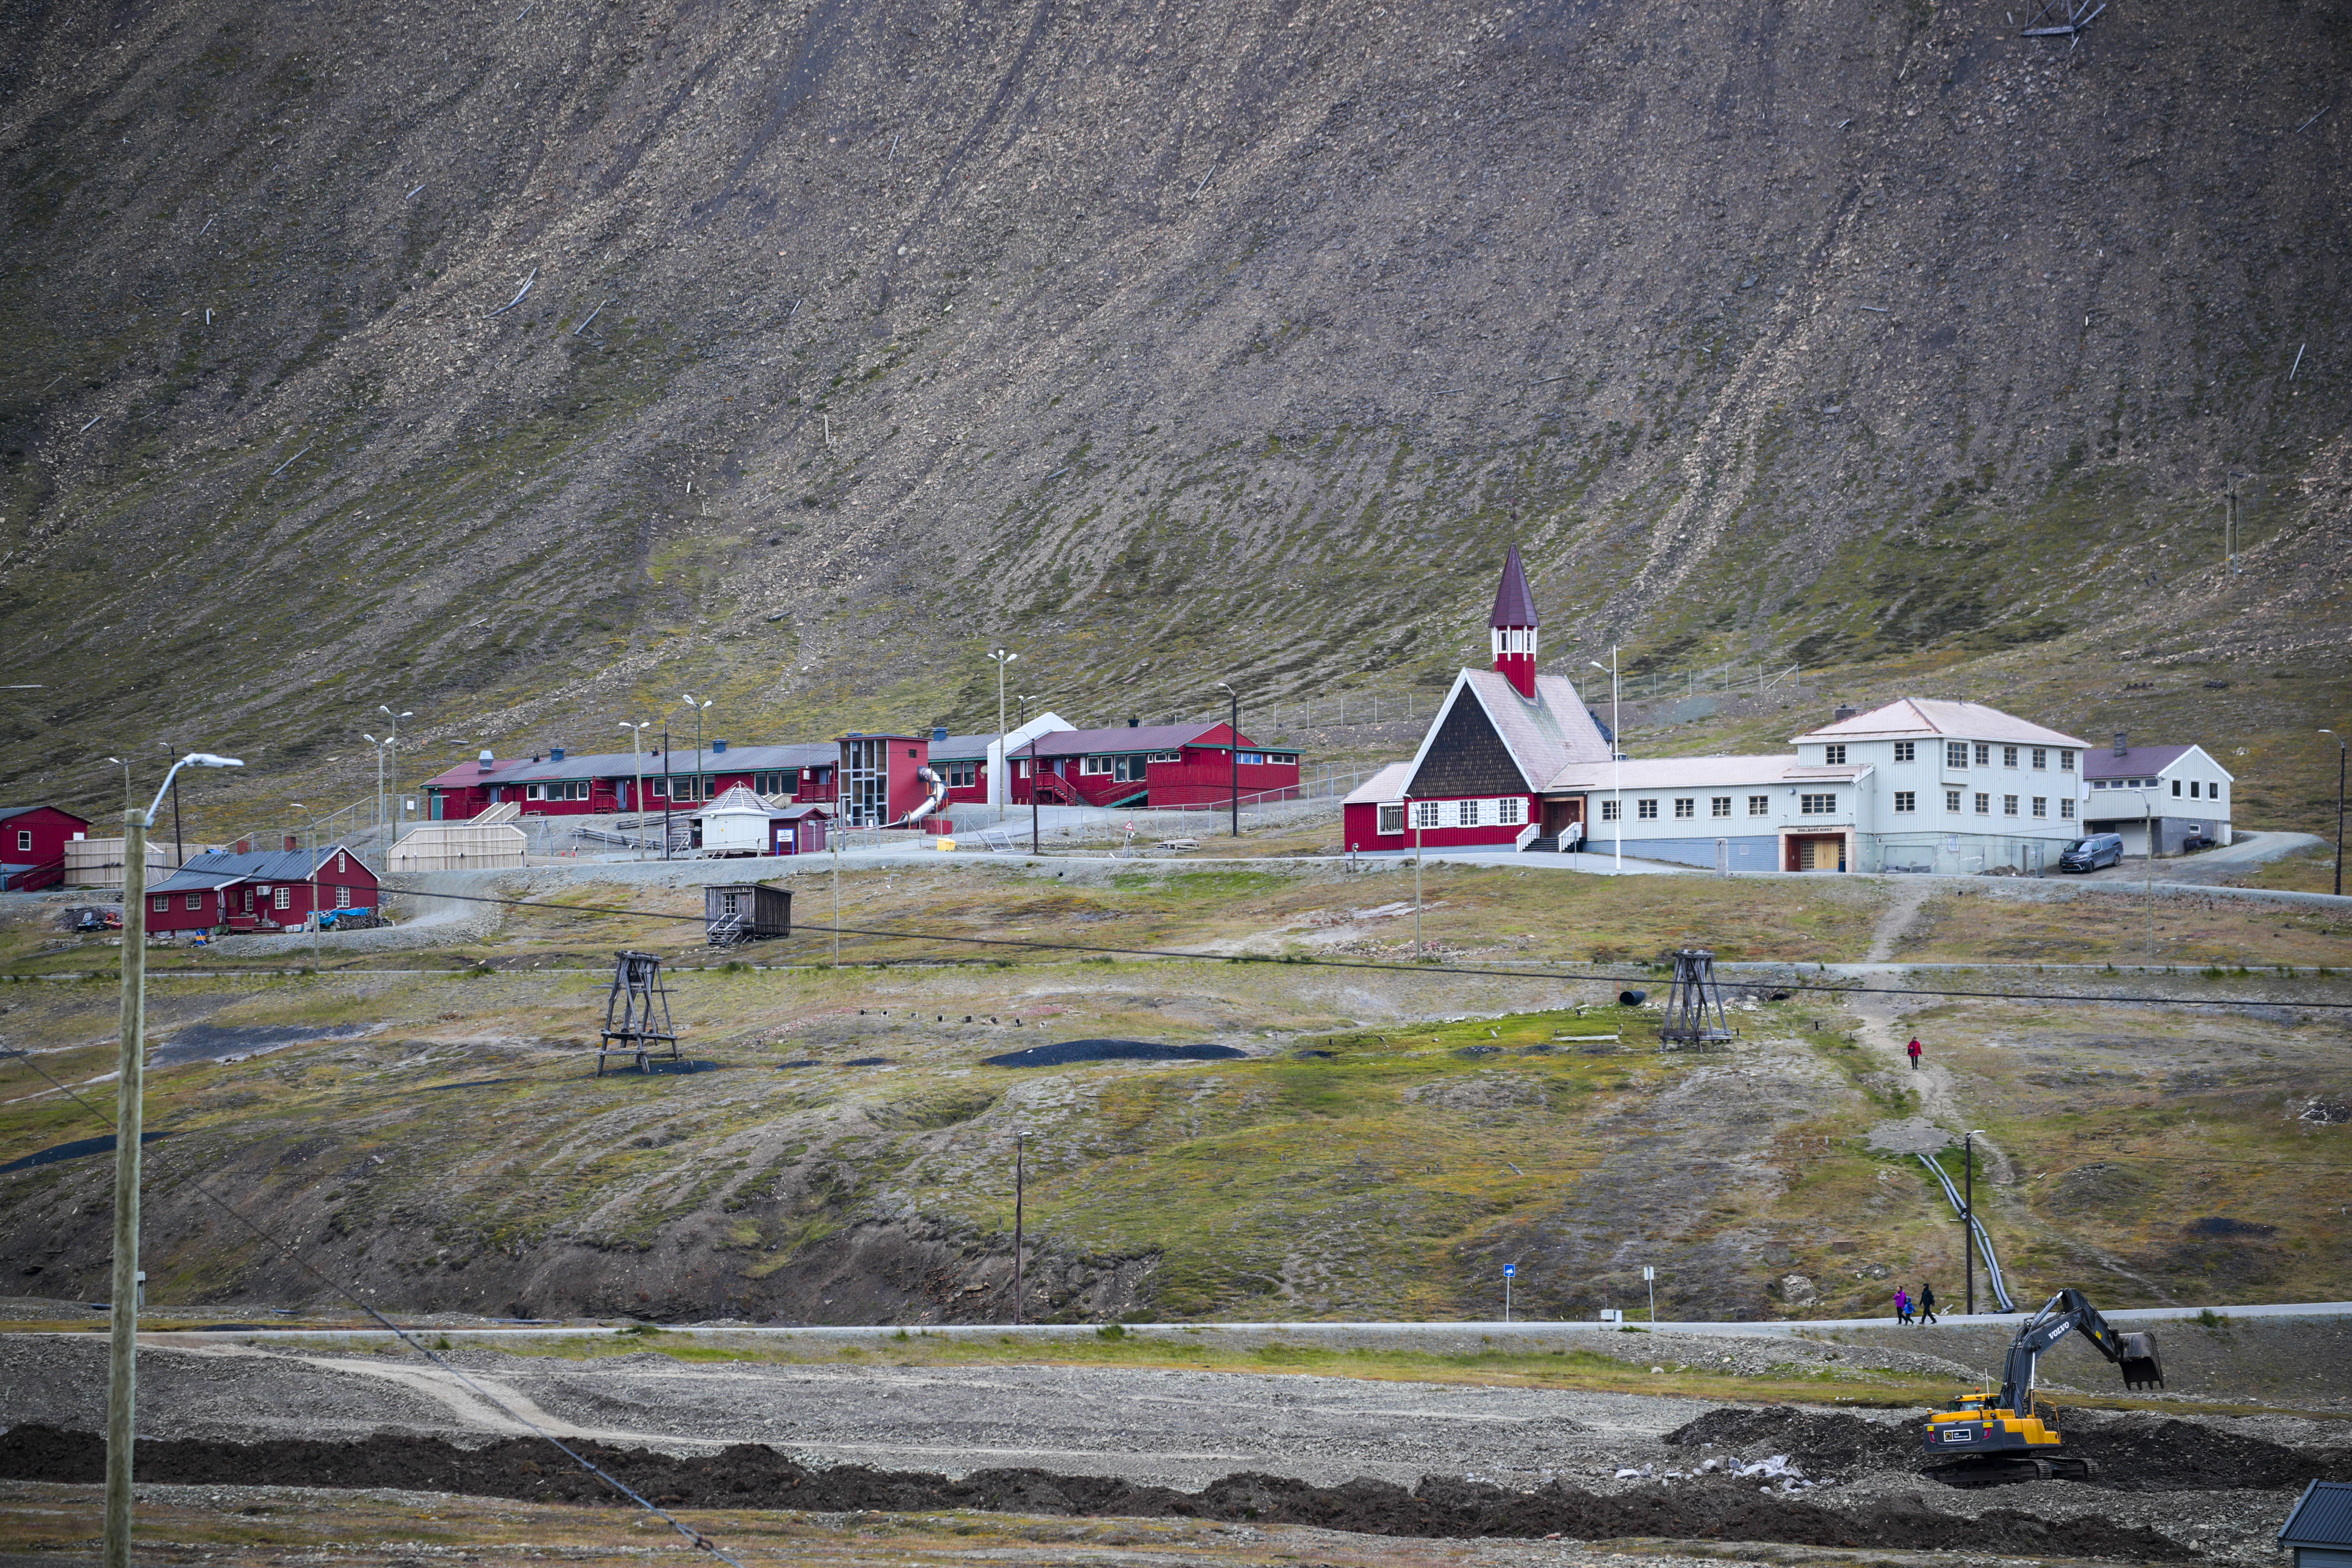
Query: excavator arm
[[2064, 1313]]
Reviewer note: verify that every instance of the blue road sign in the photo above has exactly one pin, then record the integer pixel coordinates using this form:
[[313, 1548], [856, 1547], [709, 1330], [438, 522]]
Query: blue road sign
[[1510, 1269]]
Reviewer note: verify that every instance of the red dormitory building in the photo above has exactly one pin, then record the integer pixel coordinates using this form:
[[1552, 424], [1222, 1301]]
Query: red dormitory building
[[557, 784], [885, 778], [1132, 765], [269, 890], [32, 840]]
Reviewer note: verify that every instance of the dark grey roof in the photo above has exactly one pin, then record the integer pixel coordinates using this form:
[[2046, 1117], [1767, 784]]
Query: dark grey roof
[[623, 765], [956, 748], [2321, 1517], [9, 811], [1122, 738], [2103, 762], [1514, 605], [206, 871]]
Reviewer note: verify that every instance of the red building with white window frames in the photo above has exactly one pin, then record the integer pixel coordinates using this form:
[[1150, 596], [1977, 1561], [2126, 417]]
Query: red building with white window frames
[[1146, 765], [32, 840], [1487, 773], [270, 889], [605, 782]]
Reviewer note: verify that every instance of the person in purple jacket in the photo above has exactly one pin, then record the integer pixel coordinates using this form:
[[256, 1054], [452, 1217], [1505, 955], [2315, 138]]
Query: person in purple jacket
[[1902, 1305]]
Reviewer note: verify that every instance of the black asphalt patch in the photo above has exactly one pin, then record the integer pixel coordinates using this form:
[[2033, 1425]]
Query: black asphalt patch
[[1062, 1052]]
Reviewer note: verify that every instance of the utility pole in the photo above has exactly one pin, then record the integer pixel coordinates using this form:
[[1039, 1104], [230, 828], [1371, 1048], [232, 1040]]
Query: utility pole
[[1968, 1219], [130, 1104], [1616, 754], [1020, 1183], [1036, 834], [2339, 808], [834, 840], [637, 761], [1235, 751], [702, 789], [669, 790], [1650, 1277], [1414, 806]]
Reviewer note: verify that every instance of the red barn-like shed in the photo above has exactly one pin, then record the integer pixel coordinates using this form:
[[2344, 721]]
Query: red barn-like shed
[[268, 890], [32, 840]]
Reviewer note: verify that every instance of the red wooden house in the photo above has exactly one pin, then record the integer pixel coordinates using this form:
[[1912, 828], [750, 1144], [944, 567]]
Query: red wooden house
[[1145, 765], [1486, 771], [269, 890], [32, 840]]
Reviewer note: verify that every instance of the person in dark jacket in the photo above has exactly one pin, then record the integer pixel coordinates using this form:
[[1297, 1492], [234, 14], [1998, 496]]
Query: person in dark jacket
[[1926, 1302]]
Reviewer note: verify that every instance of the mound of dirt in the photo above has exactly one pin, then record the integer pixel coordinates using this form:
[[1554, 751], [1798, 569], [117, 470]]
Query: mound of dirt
[[1825, 1442], [1062, 1052], [754, 1476], [2136, 1452], [2149, 1453]]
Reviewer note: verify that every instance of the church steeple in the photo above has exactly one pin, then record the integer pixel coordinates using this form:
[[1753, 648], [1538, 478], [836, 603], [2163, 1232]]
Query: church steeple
[[1513, 627]]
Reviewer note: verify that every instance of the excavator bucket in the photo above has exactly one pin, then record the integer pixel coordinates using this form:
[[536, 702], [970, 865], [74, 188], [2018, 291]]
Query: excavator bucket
[[2143, 1368]]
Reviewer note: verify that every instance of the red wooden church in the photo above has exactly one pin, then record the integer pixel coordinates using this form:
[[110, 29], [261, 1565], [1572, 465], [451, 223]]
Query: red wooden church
[[1484, 773]]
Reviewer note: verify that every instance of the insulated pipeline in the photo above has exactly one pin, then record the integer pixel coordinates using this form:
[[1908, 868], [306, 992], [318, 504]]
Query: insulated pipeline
[[1984, 1242]]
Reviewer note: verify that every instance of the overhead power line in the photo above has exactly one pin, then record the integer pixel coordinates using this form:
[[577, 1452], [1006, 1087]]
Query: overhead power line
[[693, 1536], [1365, 963]]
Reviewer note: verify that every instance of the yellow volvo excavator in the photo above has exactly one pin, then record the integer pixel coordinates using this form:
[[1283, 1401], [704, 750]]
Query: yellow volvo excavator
[[1991, 1438]]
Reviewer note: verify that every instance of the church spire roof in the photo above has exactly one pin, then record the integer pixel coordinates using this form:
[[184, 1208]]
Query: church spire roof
[[1514, 605]]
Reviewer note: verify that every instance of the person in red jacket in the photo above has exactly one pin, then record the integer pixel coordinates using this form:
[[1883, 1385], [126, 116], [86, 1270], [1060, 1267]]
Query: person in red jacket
[[1913, 1049]]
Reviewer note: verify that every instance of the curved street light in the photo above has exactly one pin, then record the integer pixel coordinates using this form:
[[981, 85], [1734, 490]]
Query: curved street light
[[130, 1102]]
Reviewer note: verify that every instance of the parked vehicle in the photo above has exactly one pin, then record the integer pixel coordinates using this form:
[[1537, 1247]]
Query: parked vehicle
[[92, 918], [2090, 852]]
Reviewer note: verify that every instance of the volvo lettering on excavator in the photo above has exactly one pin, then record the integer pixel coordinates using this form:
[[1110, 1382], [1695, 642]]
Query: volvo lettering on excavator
[[1989, 1438]]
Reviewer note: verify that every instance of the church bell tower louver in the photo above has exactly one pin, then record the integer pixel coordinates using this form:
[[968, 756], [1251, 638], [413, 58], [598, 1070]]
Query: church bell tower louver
[[1513, 628]]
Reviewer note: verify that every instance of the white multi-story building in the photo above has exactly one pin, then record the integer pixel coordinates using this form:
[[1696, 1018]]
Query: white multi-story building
[[2181, 789], [1954, 786], [1916, 785]]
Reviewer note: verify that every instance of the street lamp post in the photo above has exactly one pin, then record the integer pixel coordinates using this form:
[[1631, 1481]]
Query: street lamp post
[[637, 761], [1616, 754], [392, 740], [1233, 751], [2339, 808], [121, 1365], [118, 763], [998, 787]]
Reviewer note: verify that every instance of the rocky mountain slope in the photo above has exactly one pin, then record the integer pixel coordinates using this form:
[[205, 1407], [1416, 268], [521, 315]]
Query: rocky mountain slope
[[524, 364]]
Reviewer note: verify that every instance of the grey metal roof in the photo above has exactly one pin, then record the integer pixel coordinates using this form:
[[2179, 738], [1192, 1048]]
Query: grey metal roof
[[2321, 1517], [9, 811], [2103, 762], [203, 872], [960, 747], [1124, 737], [623, 765]]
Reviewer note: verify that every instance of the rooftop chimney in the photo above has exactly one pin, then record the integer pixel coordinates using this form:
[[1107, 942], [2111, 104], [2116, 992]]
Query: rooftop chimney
[[555, 755], [718, 745], [291, 844], [486, 762], [2122, 743], [939, 735], [1134, 723], [1844, 714], [245, 846]]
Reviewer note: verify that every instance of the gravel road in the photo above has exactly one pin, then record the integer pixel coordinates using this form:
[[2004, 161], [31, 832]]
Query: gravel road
[[1177, 1428]]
